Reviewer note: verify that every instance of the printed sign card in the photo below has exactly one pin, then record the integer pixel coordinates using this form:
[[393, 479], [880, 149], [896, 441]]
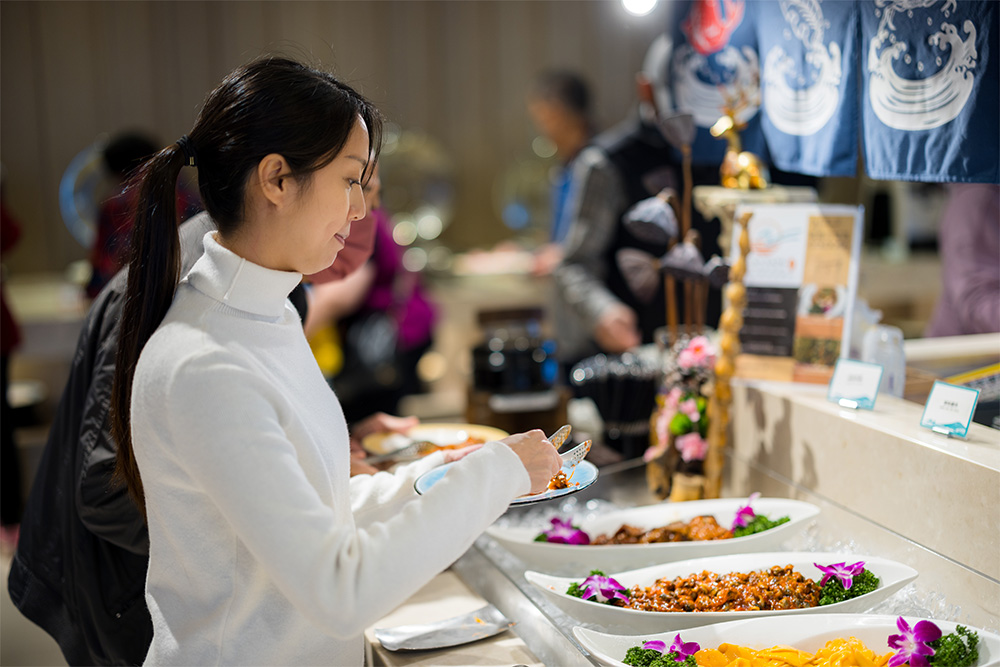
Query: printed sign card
[[855, 384], [802, 281], [949, 409]]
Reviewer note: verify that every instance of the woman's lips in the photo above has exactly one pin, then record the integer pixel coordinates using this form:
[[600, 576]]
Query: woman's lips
[[341, 238]]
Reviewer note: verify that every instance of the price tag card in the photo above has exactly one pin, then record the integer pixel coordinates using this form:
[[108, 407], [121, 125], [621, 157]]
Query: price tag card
[[949, 409], [854, 384]]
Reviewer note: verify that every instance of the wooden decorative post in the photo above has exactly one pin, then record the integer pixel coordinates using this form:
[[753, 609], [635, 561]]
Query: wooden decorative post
[[729, 346]]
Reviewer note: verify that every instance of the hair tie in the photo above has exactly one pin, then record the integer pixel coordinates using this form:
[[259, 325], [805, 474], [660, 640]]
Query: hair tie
[[187, 149]]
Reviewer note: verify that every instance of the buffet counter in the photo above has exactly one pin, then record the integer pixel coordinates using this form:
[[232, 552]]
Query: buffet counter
[[885, 487]]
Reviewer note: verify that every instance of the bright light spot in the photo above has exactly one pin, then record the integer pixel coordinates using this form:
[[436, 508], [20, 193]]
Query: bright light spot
[[405, 232], [543, 147], [638, 7], [429, 226], [415, 259]]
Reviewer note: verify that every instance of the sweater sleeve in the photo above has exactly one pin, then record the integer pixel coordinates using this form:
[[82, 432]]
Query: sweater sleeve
[[341, 576], [376, 497]]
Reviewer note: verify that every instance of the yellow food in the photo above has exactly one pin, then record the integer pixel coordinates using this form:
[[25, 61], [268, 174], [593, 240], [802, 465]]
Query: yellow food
[[836, 653]]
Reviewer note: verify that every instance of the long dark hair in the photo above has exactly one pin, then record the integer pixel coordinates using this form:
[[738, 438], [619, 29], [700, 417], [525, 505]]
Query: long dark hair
[[271, 105]]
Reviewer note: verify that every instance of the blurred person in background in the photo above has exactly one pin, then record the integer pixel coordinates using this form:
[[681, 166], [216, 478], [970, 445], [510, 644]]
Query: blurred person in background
[[122, 156], [381, 318], [595, 311], [10, 338], [559, 104], [969, 239]]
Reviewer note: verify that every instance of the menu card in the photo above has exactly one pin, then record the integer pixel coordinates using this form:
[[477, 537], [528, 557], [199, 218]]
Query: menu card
[[802, 281], [949, 409]]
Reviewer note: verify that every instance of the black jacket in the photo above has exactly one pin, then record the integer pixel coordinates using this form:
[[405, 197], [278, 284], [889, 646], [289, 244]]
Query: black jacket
[[80, 567]]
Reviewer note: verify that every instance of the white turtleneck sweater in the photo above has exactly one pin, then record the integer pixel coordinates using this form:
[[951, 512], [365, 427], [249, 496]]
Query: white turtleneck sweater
[[262, 549]]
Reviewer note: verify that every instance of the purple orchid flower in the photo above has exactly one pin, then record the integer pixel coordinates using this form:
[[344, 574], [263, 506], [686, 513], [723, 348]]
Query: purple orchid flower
[[912, 645], [842, 572], [745, 514], [602, 589], [683, 649], [564, 532]]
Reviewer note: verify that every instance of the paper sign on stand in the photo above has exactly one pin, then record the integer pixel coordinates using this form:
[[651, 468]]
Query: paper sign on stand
[[949, 409], [855, 384]]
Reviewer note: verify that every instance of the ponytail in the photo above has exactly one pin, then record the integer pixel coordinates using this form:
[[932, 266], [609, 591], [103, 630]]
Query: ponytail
[[153, 272]]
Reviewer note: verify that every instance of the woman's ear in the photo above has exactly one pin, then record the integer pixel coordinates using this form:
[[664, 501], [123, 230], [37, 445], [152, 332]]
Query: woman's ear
[[273, 179]]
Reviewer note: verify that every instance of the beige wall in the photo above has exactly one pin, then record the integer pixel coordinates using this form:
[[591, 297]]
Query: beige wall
[[456, 70]]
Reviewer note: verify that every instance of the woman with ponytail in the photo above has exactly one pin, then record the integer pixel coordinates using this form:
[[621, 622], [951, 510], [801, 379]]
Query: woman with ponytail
[[262, 548]]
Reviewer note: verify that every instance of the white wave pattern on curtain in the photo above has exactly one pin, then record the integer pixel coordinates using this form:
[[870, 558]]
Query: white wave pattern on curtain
[[804, 109], [704, 93], [920, 104]]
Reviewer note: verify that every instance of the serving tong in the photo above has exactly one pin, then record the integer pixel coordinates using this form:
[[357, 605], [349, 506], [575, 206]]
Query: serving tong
[[573, 456]]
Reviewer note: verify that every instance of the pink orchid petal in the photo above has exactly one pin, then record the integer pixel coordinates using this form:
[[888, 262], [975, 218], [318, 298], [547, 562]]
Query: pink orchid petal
[[655, 645], [683, 649]]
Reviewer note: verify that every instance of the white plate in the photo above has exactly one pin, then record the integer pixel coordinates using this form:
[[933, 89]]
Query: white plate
[[892, 575], [439, 434], [806, 633], [582, 476], [572, 559]]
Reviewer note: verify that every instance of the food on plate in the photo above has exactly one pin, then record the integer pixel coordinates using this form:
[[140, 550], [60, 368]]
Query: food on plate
[[919, 646], [458, 445], [700, 528], [559, 481], [776, 588]]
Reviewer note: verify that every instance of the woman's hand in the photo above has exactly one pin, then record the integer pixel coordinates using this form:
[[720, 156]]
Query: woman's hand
[[537, 455]]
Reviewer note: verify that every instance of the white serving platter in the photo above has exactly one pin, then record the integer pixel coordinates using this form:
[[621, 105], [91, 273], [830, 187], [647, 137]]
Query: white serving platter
[[806, 633], [571, 559], [891, 574]]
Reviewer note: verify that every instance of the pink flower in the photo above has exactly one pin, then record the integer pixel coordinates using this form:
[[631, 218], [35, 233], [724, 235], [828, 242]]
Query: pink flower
[[603, 589], [690, 408], [683, 649], [698, 354], [691, 446], [843, 572], [564, 532], [745, 514], [672, 400], [663, 417], [912, 645]]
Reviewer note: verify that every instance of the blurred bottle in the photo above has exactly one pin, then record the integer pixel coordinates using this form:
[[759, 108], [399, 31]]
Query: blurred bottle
[[883, 345]]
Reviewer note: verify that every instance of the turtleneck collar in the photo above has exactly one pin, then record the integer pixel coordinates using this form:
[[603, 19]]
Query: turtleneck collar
[[239, 283]]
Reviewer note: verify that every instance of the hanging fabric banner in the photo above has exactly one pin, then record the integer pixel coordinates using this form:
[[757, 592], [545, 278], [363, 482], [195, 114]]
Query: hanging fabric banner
[[931, 89], [714, 66], [809, 84]]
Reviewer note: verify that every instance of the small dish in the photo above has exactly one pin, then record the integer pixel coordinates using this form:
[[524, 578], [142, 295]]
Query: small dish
[[580, 477]]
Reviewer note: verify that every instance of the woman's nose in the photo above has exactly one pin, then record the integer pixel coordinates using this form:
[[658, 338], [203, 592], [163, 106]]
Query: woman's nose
[[358, 209]]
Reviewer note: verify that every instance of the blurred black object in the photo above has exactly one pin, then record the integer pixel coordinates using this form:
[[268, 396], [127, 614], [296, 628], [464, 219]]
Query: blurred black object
[[624, 390], [513, 357]]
